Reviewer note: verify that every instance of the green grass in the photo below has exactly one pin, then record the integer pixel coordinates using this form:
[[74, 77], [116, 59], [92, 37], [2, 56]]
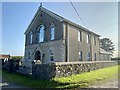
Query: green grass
[[76, 81], [88, 78]]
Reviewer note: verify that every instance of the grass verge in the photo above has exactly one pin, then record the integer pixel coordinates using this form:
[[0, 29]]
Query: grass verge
[[83, 80]]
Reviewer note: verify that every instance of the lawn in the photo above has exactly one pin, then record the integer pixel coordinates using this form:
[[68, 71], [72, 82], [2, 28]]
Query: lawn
[[83, 80]]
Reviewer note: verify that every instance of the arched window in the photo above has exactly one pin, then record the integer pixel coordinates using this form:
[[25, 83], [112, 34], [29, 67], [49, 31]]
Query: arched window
[[88, 38], [41, 33], [80, 55], [52, 31], [79, 36], [31, 37]]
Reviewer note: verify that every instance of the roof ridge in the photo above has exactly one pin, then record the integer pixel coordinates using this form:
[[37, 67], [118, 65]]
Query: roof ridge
[[52, 12], [59, 18], [69, 21]]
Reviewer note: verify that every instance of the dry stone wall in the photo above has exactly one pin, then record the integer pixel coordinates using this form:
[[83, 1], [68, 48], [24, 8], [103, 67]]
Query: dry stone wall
[[64, 69]]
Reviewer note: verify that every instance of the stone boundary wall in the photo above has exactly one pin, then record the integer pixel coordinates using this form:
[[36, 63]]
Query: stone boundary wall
[[10, 65], [25, 70], [57, 69], [44, 71], [64, 69]]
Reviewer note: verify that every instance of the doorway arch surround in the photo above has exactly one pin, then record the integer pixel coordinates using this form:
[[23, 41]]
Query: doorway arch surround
[[38, 55]]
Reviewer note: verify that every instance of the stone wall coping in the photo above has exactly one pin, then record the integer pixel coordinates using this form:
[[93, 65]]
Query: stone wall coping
[[65, 63]]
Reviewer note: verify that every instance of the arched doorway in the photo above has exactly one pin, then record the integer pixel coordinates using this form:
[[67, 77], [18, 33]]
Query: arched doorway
[[38, 55]]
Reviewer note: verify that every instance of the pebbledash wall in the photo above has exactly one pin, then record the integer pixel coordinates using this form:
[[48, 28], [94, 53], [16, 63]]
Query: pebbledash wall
[[60, 69]]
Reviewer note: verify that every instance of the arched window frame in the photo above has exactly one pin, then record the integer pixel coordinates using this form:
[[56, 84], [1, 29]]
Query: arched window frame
[[88, 38], [41, 33], [79, 36], [80, 55], [31, 37], [52, 31]]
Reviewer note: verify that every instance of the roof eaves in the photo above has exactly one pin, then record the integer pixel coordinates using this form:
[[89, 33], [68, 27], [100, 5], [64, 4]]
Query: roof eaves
[[58, 17], [78, 26], [32, 21], [46, 11]]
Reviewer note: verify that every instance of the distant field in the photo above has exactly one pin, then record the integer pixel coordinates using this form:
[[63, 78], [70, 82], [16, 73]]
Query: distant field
[[83, 80]]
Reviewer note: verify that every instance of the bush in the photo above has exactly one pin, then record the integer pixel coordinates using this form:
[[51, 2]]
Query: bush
[[16, 57]]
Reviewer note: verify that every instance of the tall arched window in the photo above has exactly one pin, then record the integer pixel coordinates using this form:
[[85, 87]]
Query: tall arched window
[[31, 37], [52, 31], [41, 33], [79, 36]]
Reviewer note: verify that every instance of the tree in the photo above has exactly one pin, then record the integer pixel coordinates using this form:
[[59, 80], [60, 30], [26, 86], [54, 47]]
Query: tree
[[107, 45], [16, 57]]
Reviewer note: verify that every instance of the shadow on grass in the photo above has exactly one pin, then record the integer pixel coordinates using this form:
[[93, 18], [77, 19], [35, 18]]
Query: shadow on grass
[[39, 83]]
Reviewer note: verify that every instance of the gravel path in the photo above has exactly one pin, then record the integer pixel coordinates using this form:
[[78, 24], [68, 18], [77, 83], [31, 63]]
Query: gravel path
[[110, 83], [113, 83], [6, 84], [10, 85]]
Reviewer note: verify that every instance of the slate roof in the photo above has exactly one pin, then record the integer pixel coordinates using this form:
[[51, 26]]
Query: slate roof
[[60, 18]]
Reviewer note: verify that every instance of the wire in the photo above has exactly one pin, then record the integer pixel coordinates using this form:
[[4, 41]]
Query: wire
[[77, 13]]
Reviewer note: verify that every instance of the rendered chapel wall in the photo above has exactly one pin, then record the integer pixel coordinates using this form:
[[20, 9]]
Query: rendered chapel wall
[[105, 57], [95, 48], [56, 46], [45, 20], [74, 46]]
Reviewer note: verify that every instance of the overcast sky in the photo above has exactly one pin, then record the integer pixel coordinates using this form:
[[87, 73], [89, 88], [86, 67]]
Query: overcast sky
[[101, 18]]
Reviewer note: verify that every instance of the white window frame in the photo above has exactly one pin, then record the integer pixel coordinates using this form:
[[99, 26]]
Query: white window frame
[[79, 36], [41, 33], [88, 38], [88, 56], [52, 33], [80, 55], [31, 37]]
